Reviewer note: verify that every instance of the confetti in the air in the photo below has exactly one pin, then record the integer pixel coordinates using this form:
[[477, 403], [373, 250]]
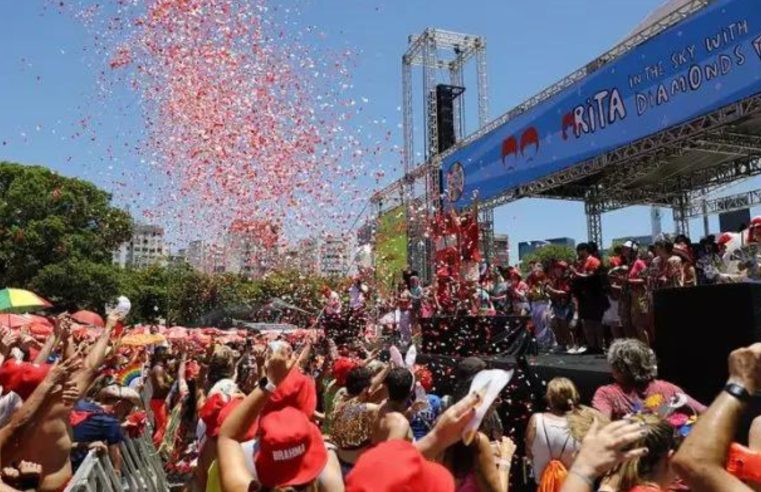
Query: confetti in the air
[[246, 114]]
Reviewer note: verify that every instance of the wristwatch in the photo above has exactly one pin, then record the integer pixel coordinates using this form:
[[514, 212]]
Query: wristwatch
[[266, 385], [738, 392]]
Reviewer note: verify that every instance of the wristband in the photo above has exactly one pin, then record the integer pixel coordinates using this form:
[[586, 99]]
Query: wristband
[[266, 385], [738, 392], [585, 478], [744, 463]]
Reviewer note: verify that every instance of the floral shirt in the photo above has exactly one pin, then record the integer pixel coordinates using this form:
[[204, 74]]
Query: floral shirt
[[615, 402]]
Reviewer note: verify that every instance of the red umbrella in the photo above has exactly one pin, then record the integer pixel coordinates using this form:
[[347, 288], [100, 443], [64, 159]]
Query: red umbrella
[[177, 333], [231, 338], [14, 320], [39, 320], [214, 332], [200, 338], [39, 330], [88, 318]]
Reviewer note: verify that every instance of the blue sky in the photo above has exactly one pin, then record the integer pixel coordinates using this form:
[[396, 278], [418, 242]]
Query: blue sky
[[47, 84]]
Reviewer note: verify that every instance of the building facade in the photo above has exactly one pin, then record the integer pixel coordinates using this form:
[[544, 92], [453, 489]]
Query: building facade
[[251, 248], [308, 256], [146, 247], [501, 249], [335, 256]]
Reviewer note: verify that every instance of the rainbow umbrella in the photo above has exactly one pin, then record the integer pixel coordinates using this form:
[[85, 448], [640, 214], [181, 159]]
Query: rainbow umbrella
[[21, 300]]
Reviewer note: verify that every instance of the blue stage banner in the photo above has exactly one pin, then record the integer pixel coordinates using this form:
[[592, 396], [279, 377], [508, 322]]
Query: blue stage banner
[[709, 60]]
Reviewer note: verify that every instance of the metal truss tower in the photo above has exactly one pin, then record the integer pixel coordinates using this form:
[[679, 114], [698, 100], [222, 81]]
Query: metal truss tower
[[443, 57], [437, 51]]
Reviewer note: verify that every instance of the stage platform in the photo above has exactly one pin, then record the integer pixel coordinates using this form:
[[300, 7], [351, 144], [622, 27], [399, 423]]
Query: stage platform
[[588, 372]]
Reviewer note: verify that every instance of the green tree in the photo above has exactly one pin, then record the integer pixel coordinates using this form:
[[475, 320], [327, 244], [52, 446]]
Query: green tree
[[547, 254], [76, 283], [57, 234], [148, 290]]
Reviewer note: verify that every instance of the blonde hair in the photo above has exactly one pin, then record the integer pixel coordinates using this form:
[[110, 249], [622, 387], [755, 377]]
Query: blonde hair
[[659, 440], [580, 420], [562, 395]]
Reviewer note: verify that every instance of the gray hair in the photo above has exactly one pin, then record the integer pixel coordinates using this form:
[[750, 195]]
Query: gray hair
[[634, 360]]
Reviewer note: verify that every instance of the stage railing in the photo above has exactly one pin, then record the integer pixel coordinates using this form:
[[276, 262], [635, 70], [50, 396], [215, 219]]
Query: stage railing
[[142, 470]]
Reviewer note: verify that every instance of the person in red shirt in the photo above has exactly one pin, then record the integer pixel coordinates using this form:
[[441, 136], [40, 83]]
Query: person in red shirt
[[619, 257], [590, 297], [631, 283], [559, 289]]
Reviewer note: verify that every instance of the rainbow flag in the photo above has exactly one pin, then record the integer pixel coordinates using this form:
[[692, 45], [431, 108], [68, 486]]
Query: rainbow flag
[[130, 375]]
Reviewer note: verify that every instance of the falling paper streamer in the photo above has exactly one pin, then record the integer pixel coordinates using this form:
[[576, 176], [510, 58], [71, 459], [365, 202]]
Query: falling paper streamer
[[247, 114], [488, 385]]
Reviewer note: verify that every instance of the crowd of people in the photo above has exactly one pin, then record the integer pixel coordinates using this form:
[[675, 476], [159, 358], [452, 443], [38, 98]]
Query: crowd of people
[[338, 407], [579, 306], [298, 412]]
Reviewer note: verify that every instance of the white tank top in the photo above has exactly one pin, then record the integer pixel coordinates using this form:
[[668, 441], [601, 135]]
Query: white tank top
[[552, 441]]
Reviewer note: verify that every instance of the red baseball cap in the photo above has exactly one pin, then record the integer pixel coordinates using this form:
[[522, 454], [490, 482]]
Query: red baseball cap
[[397, 466], [296, 390], [227, 410], [341, 368], [22, 377], [291, 449], [209, 413], [724, 238]]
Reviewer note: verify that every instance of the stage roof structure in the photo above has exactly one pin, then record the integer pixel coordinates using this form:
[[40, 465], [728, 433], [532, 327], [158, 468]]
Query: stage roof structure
[[672, 166], [607, 134]]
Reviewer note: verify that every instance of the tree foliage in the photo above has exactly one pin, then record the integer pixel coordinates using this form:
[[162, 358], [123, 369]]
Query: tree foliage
[[183, 296], [549, 253], [57, 235], [76, 283]]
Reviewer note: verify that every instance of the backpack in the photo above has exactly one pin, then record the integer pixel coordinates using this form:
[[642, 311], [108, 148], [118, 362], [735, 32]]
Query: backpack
[[553, 476], [555, 473]]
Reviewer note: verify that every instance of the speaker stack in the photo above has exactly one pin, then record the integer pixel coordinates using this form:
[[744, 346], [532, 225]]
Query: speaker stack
[[696, 330]]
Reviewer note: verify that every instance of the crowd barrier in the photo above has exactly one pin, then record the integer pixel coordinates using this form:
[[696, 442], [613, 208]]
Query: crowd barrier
[[142, 470]]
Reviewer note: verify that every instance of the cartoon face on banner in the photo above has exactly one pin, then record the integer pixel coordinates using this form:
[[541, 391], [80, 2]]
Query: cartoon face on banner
[[528, 148], [455, 181]]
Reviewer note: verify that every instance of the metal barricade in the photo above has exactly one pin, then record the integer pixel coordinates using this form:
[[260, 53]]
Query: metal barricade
[[96, 474], [142, 470]]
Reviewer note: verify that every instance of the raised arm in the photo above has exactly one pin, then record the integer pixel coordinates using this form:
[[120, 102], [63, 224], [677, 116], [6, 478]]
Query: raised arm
[[233, 472], [31, 405], [96, 355], [602, 450], [377, 390], [701, 459], [486, 465]]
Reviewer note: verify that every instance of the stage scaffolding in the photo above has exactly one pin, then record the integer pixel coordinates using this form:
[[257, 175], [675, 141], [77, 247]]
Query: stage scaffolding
[[442, 57], [677, 168]]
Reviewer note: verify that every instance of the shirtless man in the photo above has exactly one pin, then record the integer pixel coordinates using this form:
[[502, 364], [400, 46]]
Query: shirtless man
[[161, 384], [48, 443]]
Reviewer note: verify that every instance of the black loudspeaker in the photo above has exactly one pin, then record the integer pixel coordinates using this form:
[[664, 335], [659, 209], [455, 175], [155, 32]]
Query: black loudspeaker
[[697, 328], [734, 221], [445, 96]]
